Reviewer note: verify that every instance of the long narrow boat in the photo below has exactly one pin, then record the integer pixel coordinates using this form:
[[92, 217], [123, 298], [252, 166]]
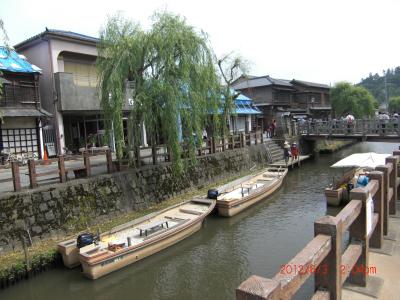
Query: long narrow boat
[[248, 191], [136, 240]]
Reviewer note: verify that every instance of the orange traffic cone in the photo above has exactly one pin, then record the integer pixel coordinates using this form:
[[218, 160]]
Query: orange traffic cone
[[46, 158]]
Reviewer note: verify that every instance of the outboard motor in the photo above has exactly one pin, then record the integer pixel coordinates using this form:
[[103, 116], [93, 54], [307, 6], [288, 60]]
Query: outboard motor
[[212, 194], [84, 239]]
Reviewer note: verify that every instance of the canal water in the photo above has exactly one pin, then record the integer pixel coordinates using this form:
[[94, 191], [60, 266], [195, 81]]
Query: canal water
[[215, 260]]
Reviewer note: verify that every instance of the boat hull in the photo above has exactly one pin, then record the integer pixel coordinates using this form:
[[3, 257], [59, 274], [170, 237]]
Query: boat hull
[[94, 271], [227, 209], [69, 253], [334, 197]]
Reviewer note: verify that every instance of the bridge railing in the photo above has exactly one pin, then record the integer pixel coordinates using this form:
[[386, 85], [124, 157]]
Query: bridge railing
[[366, 217], [357, 127]]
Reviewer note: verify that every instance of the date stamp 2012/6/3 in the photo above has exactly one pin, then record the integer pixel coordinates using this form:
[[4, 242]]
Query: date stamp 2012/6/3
[[322, 269]]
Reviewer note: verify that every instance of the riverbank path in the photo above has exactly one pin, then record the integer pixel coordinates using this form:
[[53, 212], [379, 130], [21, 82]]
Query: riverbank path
[[384, 269]]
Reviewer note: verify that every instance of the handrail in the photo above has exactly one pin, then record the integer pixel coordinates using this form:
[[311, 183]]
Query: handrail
[[365, 226]]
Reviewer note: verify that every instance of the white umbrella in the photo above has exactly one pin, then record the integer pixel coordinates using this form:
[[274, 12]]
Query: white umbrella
[[361, 160]]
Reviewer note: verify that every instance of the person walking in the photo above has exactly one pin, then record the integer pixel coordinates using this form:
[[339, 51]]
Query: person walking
[[286, 152], [350, 122]]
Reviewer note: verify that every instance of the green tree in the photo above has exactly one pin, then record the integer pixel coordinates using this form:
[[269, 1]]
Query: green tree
[[346, 98], [394, 104], [170, 74], [230, 67]]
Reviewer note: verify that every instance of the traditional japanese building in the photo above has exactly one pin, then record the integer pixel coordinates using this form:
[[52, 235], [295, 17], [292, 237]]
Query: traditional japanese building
[[69, 87], [280, 97], [22, 114]]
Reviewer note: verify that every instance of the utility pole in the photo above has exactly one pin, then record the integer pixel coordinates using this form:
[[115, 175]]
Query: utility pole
[[386, 92]]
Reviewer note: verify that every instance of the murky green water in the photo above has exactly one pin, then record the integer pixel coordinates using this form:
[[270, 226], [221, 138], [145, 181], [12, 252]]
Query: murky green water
[[214, 261]]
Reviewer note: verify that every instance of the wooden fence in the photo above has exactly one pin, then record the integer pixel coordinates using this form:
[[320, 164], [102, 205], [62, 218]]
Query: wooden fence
[[152, 155], [161, 153], [366, 217]]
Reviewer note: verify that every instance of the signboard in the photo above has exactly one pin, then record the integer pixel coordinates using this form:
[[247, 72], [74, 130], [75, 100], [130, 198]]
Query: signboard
[[370, 213], [51, 149]]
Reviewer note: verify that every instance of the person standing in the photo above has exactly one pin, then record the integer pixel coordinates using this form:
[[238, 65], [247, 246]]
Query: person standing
[[273, 127], [286, 152], [294, 151]]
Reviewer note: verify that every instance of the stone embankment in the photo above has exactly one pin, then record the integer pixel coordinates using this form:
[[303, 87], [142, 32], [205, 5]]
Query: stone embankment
[[53, 211]]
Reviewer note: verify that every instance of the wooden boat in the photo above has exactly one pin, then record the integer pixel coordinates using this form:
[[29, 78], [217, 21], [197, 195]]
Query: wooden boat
[[248, 191], [138, 239], [337, 193]]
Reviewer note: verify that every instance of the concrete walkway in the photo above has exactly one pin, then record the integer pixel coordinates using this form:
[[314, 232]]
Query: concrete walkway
[[387, 269]]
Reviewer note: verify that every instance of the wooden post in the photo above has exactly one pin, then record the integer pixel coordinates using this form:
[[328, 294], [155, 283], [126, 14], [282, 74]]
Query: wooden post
[[242, 141], [61, 169], [393, 183], [223, 143], [385, 171], [154, 152], [258, 288], [233, 141], [256, 138], [358, 232], [329, 278], [397, 153], [16, 176], [86, 162], [169, 154], [138, 161], [376, 238], [32, 173], [110, 168], [212, 145]]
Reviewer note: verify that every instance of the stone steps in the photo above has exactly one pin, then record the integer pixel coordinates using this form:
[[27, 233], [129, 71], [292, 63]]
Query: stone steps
[[275, 151]]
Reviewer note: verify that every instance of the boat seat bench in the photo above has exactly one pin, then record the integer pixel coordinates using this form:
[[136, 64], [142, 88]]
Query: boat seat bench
[[151, 226]]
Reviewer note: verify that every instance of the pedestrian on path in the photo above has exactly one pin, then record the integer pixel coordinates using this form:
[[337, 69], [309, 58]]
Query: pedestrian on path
[[286, 152]]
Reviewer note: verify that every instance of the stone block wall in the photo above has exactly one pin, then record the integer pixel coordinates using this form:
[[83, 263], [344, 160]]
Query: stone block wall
[[54, 209]]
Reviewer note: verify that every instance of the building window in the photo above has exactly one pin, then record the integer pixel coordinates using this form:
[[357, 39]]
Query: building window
[[20, 140]]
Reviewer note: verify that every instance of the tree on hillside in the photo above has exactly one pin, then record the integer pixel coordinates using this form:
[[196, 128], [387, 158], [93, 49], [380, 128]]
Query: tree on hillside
[[230, 67], [170, 73], [346, 98], [376, 84], [394, 104]]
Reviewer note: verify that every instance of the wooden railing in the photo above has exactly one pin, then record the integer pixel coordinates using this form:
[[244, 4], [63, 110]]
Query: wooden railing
[[161, 153], [323, 257], [62, 171], [358, 127], [152, 155]]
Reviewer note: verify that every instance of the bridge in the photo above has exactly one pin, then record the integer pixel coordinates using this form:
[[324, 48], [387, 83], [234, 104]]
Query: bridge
[[361, 129]]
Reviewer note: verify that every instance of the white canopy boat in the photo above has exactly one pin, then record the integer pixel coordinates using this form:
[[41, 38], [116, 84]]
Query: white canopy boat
[[356, 164]]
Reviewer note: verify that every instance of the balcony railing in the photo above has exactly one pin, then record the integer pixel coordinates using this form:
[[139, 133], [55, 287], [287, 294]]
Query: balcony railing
[[19, 95]]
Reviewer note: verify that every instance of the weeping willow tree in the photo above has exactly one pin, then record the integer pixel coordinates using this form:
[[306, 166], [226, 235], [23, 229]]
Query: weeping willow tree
[[170, 73], [230, 67]]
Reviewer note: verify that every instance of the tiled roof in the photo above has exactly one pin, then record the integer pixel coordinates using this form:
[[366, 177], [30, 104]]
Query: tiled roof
[[252, 82], [60, 33], [11, 61], [310, 84]]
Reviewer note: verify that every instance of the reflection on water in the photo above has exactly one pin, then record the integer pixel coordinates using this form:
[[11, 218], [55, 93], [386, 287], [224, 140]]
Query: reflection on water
[[214, 261]]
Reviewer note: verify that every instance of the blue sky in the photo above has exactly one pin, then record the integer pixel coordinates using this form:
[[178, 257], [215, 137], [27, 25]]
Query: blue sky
[[322, 41]]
